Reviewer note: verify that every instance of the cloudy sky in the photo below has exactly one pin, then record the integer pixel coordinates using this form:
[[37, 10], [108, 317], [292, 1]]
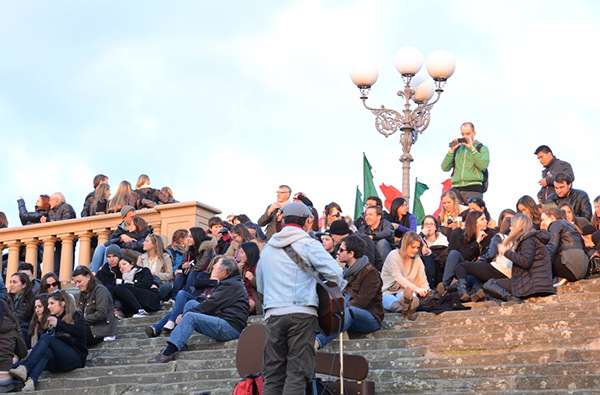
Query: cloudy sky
[[224, 101]]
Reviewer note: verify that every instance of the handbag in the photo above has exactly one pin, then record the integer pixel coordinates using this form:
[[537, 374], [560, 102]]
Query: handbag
[[594, 267], [331, 298]]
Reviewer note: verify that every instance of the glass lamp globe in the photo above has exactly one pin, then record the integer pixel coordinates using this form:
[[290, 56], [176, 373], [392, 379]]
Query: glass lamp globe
[[441, 65], [364, 74], [409, 61]]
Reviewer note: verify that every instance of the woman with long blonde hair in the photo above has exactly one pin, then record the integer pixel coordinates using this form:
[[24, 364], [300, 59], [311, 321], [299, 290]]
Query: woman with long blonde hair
[[451, 216], [121, 197], [531, 273], [403, 276]]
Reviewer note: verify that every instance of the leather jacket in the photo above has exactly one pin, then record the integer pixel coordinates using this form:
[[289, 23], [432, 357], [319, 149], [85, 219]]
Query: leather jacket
[[563, 236]]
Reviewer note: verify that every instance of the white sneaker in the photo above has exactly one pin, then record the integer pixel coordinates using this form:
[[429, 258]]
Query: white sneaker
[[109, 338], [141, 313]]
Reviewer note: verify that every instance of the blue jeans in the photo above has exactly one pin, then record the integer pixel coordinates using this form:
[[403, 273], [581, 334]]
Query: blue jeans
[[52, 353], [356, 320], [98, 259], [208, 325], [384, 248], [180, 302], [389, 299]]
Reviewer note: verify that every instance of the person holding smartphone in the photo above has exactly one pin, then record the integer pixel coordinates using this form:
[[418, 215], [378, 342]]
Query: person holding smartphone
[[468, 159]]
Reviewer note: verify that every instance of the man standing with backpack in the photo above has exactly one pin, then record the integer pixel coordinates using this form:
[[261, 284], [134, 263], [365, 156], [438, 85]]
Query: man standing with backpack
[[468, 159]]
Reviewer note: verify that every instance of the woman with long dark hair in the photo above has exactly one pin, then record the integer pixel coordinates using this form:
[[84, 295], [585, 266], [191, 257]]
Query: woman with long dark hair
[[61, 349], [435, 250], [530, 208], [201, 249], [401, 219], [49, 283], [100, 200], [39, 321], [121, 197], [247, 265], [20, 294], [97, 307], [467, 245]]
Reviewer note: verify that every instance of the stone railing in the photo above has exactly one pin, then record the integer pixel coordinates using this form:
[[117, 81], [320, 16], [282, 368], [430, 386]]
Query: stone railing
[[164, 219]]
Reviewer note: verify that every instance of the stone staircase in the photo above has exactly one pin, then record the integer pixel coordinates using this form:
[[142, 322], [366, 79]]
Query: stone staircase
[[545, 346]]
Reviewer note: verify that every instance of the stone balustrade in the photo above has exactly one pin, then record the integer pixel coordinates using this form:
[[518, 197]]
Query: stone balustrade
[[164, 219]]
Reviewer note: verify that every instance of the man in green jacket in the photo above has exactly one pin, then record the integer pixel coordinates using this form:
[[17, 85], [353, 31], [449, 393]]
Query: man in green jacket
[[468, 159]]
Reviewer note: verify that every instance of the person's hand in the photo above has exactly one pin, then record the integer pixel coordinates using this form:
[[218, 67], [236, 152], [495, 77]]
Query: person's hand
[[543, 182], [127, 239], [178, 271], [273, 207], [589, 243], [178, 320], [43, 219], [185, 265], [455, 146], [249, 275], [501, 249], [395, 225], [421, 291], [453, 225], [153, 286], [469, 143], [481, 236], [52, 321], [425, 250]]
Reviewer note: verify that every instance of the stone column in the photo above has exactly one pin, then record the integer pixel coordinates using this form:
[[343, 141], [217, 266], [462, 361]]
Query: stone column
[[48, 259], [84, 247], [13, 259], [31, 253], [66, 257], [103, 235]]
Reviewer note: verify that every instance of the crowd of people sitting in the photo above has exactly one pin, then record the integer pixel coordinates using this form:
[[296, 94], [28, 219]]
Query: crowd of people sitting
[[213, 281]]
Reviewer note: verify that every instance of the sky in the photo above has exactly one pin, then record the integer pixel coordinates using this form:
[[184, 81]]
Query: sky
[[225, 101]]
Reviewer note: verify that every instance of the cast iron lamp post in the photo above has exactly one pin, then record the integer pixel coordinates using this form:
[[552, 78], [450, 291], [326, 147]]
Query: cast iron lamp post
[[440, 66]]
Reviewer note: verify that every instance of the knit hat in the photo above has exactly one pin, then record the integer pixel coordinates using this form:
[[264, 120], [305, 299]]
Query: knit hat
[[588, 229], [297, 210], [339, 227], [114, 250], [596, 237], [126, 209]]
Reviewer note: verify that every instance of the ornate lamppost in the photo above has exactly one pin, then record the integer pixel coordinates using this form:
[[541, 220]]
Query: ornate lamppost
[[440, 66]]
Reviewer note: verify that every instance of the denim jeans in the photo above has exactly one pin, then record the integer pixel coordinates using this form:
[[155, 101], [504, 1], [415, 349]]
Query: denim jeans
[[98, 259], [389, 299], [356, 320], [384, 248], [208, 325], [180, 301], [53, 354]]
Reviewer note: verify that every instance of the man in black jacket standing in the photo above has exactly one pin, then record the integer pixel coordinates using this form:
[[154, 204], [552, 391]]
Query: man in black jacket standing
[[552, 166], [223, 316]]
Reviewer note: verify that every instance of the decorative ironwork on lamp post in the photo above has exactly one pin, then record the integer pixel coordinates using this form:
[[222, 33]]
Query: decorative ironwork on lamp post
[[440, 66]]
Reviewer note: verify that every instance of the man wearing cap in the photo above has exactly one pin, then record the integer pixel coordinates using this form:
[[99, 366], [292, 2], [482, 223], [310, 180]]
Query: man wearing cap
[[290, 302], [272, 216], [127, 214], [339, 229]]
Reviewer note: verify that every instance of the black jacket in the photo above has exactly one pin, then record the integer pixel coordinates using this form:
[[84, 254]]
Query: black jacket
[[385, 231], [87, 204], [228, 301], [30, 217], [74, 335], [61, 211], [578, 199], [532, 268], [107, 276], [549, 172], [473, 250], [143, 279], [138, 245], [563, 236]]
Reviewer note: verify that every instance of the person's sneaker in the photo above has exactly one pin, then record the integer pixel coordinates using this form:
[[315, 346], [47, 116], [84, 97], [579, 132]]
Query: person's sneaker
[[169, 326], [20, 373], [150, 331], [109, 338], [560, 282], [141, 313], [29, 386]]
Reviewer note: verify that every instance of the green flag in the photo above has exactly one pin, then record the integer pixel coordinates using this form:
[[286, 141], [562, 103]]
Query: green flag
[[368, 185], [358, 204], [418, 210]]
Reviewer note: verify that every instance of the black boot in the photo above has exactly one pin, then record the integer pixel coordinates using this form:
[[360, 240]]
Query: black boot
[[461, 289], [477, 292], [496, 291]]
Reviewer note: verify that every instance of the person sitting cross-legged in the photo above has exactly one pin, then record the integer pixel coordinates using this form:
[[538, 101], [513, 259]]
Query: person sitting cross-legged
[[364, 309], [223, 316]]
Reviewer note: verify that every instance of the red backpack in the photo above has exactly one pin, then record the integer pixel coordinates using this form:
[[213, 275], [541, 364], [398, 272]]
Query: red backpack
[[251, 384]]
